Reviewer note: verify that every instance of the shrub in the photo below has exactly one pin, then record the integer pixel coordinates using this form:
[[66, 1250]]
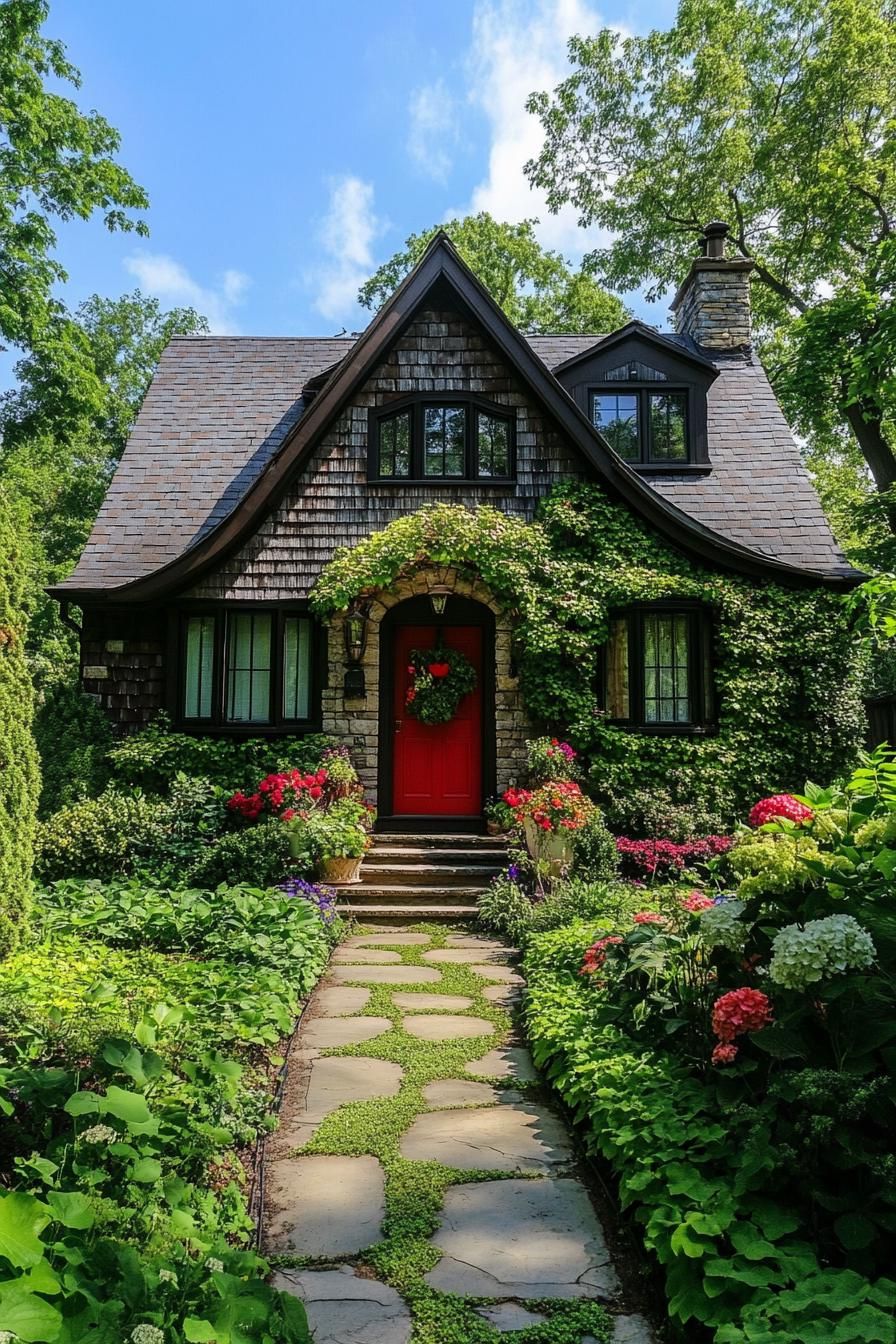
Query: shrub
[[259, 854], [73, 737], [19, 774], [648, 860], [548, 759], [150, 759], [594, 854], [100, 837], [646, 813], [505, 909], [574, 900]]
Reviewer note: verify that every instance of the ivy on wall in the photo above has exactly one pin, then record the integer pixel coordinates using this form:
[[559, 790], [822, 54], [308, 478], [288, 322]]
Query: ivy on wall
[[785, 665]]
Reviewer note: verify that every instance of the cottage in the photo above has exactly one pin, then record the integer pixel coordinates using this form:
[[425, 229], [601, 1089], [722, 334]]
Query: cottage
[[252, 460]]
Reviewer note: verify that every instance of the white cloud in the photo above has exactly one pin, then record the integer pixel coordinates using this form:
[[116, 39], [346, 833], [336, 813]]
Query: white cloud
[[519, 47], [347, 234], [433, 131], [171, 282]]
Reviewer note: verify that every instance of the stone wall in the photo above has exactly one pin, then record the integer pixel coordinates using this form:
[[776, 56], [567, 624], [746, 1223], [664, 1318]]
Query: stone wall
[[356, 722]]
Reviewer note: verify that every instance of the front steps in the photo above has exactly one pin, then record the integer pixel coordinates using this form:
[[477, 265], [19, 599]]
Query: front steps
[[406, 878]]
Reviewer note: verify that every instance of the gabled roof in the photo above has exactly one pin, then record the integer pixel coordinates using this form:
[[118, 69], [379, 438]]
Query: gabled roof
[[678, 346], [227, 407]]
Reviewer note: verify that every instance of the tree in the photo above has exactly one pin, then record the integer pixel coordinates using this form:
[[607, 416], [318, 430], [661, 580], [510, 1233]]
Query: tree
[[538, 289], [19, 776], [55, 163], [779, 117]]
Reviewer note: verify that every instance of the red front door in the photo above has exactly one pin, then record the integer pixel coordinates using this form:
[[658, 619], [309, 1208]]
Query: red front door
[[437, 768]]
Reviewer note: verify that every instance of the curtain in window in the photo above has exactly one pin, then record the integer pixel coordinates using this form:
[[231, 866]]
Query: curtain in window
[[666, 690], [248, 696], [618, 703], [199, 669], [296, 667]]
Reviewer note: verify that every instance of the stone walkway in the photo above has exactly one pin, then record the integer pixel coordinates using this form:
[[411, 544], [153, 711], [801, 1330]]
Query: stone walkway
[[522, 1231]]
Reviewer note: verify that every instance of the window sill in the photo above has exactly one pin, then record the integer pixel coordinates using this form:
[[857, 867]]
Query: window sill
[[202, 728], [436, 481], [672, 468], [666, 729]]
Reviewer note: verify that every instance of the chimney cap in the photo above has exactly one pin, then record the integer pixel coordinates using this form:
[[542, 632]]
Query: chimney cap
[[714, 235]]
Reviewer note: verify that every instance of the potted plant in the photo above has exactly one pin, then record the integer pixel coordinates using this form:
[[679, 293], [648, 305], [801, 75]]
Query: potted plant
[[549, 817], [498, 817], [338, 837]]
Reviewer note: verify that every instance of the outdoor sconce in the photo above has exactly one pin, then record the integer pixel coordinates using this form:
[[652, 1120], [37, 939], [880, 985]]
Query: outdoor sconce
[[354, 634], [438, 596]]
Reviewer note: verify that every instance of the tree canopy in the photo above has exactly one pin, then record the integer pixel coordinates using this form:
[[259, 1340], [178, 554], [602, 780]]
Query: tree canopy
[[538, 289], [56, 163], [779, 118]]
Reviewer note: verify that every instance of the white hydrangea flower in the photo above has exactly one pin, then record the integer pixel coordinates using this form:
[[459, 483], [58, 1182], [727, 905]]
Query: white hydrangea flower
[[721, 926], [6, 1337], [147, 1334], [167, 1276], [99, 1134], [802, 956], [216, 1266]]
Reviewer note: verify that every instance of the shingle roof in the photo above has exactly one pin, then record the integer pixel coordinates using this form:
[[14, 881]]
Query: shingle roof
[[219, 407]]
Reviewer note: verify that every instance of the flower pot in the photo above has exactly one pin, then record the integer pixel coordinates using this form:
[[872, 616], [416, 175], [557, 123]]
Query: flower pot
[[342, 872], [492, 828], [551, 847]]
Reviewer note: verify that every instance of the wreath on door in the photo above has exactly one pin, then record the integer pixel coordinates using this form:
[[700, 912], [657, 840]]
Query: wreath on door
[[438, 679]]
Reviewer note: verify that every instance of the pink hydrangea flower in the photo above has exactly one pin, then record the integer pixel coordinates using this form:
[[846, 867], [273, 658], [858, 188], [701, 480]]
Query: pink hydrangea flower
[[740, 1011], [780, 805], [696, 902], [648, 917], [724, 1054]]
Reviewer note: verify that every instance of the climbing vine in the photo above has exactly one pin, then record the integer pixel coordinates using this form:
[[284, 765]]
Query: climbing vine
[[784, 664]]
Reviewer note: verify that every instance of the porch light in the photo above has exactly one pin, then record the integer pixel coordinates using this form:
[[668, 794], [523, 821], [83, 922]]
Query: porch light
[[438, 596], [354, 635]]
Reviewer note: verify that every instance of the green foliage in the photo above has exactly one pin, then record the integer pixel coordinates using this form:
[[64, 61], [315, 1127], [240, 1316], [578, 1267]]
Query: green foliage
[[260, 854], [19, 774], [73, 736], [747, 95], [131, 1076], [510, 910], [594, 854], [537, 289], [99, 837], [506, 909], [340, 831], [151, 759], [784, 659]]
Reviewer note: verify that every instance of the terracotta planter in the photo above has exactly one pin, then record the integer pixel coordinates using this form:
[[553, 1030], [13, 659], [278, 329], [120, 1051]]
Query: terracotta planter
[[342, 872], [551, 847]]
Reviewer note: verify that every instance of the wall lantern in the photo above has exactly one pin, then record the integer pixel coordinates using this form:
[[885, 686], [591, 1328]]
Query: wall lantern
[[438, 596], [354, 634]]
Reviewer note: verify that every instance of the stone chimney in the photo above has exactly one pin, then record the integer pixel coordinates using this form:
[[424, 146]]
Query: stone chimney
[[712, 305]]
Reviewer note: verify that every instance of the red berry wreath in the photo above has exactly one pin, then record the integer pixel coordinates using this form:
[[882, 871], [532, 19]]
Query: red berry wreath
[[438, 679]]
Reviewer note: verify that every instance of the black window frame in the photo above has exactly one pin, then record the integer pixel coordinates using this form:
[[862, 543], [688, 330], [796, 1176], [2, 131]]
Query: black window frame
[[702, 699], [277, 724], [644, 390], [416, 406]]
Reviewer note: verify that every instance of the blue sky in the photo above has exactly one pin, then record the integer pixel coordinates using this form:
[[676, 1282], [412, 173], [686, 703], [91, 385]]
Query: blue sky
[[288, 148]]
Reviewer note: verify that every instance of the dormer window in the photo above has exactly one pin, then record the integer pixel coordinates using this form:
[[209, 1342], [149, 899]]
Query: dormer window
[[643, 425], [425, 441]]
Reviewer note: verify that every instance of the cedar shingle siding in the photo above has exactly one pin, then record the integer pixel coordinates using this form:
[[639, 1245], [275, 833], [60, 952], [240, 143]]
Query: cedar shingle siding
[[334, 504]]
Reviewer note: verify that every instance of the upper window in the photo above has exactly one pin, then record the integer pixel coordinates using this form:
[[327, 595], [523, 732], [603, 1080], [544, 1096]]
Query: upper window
[[247, 668], [657, 671], [461, 440], [642, 425]]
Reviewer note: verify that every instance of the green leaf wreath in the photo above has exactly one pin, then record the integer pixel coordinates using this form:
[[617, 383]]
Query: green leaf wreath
[[438, 679]]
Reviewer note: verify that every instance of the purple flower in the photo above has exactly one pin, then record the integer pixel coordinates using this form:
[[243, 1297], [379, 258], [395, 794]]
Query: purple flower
[[323, 898], [513, 872]]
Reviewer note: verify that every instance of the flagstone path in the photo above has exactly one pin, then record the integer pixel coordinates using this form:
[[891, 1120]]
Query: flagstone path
[[417, 1158]]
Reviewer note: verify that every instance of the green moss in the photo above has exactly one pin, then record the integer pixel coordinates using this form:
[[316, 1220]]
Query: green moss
[[415, 1190]]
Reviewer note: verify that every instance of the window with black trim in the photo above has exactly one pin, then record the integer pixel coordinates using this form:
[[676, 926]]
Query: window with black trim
[[657, 668], [643, 425], [247, 668], [458, 439]]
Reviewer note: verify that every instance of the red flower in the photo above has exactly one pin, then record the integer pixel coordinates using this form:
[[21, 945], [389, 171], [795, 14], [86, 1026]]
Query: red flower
[[695, 902], [648, 917], [780, 805], [724, 1054], [596, 954], [288, 814], [740, 1011], [315, 792], [439, 670], [412, 671]]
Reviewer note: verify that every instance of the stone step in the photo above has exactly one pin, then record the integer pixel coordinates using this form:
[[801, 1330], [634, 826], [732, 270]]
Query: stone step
[[406, 914], [445, 841], [390, 894], [374, 873], [414, 854]]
